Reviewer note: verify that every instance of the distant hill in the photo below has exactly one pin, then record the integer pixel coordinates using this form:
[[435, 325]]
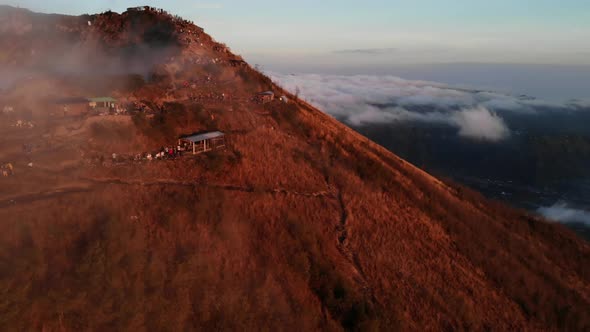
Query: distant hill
[[299, 224]]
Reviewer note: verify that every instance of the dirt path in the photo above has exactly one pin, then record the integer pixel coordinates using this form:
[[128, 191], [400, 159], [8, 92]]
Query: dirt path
[[229, 187], [89, 185], [347, 253], [43, 195], [342, 231]]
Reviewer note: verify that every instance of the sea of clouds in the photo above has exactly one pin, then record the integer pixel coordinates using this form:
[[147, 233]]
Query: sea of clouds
[[564, 213], [371, 99]]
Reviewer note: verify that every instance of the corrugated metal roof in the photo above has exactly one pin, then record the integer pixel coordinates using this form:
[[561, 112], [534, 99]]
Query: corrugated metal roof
[[204, 136], [266, 93], [103, 100]]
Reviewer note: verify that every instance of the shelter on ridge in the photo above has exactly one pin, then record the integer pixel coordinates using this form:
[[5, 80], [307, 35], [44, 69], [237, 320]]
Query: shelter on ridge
[[266, 96], [237, 63], [102, 102], [104, 105], [203, 142]]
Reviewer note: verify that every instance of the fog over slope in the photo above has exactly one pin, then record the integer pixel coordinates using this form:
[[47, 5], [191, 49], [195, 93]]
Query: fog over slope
[[561, 211]]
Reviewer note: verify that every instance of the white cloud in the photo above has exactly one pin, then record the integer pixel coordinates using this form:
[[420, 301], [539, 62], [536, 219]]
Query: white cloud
[[562, 212], [374, 115], [365, 99], [371, 99], [481, 124]]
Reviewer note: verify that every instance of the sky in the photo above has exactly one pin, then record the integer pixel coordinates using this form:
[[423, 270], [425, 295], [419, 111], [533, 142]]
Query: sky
[[391, 36], [398, 31]]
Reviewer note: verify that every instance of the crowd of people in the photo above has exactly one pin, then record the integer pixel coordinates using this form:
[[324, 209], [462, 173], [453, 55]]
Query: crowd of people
[[164, 153], [211, 96], [24, 124]]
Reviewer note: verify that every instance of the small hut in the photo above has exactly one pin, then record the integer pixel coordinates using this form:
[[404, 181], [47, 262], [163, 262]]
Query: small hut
[[265, 97], [103, 104], [237, 63], [204, 142]]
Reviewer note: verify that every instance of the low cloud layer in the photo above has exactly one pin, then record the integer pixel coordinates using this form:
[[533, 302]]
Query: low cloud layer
[[480, 123], [563, 213], [365, 99]]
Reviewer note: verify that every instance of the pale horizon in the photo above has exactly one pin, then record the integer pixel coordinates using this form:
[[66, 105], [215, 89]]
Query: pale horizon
[[529, 47], [384, 32]]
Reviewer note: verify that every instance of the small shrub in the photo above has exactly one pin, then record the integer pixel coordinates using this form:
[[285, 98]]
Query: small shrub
[[212, 69], [288, 117], [159, 75], [110, 131], [213, 161], [235, 158], [134, 82]]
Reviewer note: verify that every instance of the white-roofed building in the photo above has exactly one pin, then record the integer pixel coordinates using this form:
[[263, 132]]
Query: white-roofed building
[[203, 142]]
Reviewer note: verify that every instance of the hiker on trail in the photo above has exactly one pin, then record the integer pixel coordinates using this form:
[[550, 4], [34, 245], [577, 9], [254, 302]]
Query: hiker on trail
[[7, 170]]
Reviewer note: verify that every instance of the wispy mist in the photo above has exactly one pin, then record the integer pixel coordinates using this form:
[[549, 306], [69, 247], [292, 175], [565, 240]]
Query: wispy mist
[[564, 213], [83, 46], [481, 123]]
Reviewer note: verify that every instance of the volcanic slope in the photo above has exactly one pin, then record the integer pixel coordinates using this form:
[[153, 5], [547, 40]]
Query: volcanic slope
[[299, 224]]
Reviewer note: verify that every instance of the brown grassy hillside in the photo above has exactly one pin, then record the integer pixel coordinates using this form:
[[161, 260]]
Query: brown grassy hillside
[[300, 224]]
